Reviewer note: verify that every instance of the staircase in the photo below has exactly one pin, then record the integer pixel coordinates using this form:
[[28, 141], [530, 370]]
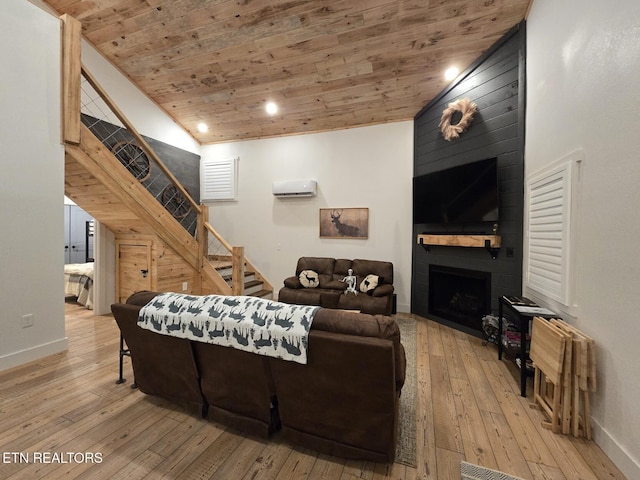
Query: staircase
[[110, 188]]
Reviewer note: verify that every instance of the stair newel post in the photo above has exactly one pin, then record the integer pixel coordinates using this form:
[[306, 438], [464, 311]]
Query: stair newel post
[[237, 279], [71, 79], [202, 237]]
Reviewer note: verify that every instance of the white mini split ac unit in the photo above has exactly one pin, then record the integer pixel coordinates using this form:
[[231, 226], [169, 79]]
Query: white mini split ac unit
[[295, 188]]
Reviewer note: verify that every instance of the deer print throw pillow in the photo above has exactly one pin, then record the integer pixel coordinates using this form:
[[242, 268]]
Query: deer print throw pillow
[[308, 279], [369, 283]]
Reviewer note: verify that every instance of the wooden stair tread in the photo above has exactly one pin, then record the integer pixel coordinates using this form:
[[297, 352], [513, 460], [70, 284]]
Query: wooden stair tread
[[262, 293], [246, 274], [220, 265]]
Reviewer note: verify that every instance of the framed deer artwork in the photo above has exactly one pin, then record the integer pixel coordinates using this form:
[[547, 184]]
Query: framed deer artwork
[[344, 223]]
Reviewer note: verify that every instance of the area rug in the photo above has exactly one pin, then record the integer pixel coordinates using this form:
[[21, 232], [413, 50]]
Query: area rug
[[406, 447], [469, 471]]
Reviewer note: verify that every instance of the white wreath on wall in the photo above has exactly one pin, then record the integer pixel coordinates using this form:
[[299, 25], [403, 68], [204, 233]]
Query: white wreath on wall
[[468, 110]]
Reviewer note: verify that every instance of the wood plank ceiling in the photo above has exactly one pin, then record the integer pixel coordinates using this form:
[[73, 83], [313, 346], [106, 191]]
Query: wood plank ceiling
[[327, 64]]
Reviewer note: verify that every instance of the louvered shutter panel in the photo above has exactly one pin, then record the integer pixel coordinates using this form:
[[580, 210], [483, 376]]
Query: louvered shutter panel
[[549, 209], [218, 178]]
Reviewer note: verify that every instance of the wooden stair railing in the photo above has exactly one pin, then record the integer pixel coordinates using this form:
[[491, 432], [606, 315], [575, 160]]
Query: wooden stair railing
[[85, 148], [73, 72], [139, 138]]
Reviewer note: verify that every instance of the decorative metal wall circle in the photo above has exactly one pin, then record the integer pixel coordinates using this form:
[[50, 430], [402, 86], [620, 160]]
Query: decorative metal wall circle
[[133, 158], [175, 202]]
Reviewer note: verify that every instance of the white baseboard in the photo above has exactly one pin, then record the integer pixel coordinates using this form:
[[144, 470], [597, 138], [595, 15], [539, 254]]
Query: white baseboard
[[404, 308], [34, 353], [629, 466]]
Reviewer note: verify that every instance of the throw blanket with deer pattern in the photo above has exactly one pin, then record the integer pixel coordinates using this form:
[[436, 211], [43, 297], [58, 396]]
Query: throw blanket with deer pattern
[[256, 325]]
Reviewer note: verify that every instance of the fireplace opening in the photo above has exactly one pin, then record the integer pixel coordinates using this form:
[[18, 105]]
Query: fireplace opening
[[459, 295]]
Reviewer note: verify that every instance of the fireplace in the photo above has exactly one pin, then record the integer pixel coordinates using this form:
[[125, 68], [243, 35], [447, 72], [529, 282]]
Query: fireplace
[[459, 295]]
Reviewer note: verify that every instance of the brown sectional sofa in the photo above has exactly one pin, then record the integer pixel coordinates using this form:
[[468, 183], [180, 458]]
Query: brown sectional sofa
[[343, 402], [329, 293]]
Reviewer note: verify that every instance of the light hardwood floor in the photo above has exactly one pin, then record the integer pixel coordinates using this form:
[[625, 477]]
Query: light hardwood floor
[[468, 408]]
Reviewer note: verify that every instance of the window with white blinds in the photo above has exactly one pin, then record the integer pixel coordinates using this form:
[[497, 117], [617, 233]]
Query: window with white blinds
[[550, 201], [218, 178]]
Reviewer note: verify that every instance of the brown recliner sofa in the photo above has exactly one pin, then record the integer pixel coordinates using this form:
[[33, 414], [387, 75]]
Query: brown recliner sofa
[[163, 365], [329, 291], [233, 386], [343, 402]]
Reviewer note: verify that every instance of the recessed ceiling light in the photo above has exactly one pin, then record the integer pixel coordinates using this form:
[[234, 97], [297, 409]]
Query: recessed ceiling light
[[451, 73], [202, 127], [271, 108]]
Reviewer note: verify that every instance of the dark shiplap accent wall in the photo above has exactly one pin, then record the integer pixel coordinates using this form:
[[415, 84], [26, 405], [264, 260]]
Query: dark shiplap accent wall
[[496, 84]]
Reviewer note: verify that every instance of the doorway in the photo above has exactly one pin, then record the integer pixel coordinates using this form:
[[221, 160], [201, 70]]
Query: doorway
[[133, 268]]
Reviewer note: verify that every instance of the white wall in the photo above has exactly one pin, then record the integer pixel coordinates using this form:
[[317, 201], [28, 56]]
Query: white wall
[[361, 167], [31, 185], [583, 67]]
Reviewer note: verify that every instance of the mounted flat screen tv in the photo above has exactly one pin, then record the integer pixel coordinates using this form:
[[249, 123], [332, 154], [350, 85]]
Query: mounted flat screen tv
[[459, 195]]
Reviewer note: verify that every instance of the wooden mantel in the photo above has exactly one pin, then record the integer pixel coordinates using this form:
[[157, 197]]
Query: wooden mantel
[[460, 240], [491, 243]]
